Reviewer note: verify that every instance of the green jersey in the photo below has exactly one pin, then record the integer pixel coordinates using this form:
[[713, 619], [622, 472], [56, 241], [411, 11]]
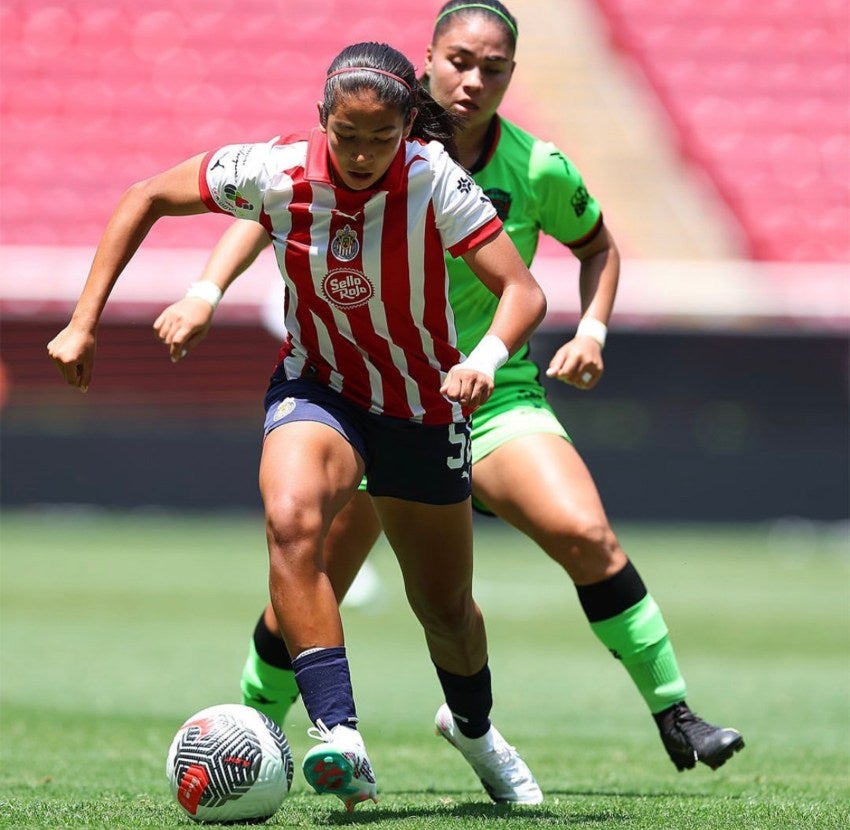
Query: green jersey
[[534, 189]]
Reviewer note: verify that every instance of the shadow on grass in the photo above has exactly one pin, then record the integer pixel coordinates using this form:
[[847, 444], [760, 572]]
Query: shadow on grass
[[548, 813], [678, 794], [491, 812]]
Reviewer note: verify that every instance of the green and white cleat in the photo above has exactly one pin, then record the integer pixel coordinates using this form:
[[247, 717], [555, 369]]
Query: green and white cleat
[[339, 765]]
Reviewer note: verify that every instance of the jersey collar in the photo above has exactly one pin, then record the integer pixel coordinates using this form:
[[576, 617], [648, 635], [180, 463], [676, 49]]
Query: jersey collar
[[318, 165], [491, 141]]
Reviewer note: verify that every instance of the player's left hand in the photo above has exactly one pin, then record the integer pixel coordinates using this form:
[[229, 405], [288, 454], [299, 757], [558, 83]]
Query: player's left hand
[[183, 325], [469, 387], [578, 362]]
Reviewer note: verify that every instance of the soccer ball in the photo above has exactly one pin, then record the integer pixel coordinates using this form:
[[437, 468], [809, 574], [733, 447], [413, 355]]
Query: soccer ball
[[229, 763]]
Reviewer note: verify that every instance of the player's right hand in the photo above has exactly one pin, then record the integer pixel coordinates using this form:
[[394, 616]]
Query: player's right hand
[[183, 325], [468, 387], [72, 350]]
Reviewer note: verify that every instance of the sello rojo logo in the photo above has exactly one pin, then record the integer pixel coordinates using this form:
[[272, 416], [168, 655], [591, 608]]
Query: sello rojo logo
[[346, 288]]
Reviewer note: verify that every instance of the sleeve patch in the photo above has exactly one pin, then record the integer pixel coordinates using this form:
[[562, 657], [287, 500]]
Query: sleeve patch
[[580, 200]]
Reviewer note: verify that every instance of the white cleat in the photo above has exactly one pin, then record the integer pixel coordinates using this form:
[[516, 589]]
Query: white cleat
[[505, 776]]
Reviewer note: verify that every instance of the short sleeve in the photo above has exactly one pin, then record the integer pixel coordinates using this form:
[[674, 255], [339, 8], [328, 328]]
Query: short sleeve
[[567, 212], [465, 217], [234, 178]]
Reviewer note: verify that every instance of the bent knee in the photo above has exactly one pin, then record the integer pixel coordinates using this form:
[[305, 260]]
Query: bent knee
[[290, 521], [443, 618], [588, 550]]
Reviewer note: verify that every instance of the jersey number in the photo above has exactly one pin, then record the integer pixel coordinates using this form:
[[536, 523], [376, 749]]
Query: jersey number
[[464, 448]]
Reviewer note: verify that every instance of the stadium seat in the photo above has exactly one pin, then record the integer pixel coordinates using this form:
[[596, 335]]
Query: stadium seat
[[758, 95]]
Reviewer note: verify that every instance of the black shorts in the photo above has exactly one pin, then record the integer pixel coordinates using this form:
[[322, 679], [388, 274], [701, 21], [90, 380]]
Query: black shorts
[[405, 460]]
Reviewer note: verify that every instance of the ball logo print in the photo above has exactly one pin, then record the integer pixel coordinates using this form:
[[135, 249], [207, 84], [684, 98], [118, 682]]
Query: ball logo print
[[229, 763], [218, 761]]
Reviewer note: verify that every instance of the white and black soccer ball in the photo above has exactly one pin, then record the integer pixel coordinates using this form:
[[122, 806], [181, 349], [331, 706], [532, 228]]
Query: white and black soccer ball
[[229, 763]]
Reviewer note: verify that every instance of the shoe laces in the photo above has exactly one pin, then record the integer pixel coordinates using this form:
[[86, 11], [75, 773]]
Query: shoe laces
[[503, 755], [689, 724], [320, 732]]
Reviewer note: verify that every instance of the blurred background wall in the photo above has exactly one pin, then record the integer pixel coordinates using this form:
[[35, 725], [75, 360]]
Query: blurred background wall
[[716, 137]]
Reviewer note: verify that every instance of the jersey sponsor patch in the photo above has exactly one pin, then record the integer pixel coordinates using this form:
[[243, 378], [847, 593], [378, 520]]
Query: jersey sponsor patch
[[580, 200], [236, 198], [347, 288]]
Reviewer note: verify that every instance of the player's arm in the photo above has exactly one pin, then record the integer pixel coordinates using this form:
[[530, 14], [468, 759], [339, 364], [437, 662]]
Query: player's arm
[[176, 192], [567, 212], [184, 324], [579, 361], [522, 305]]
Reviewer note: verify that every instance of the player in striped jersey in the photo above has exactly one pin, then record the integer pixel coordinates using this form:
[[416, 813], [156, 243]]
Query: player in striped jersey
[[370, 379], [524, 468]]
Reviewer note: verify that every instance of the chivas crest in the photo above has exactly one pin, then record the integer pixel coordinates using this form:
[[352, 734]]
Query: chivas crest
[[345, 246]]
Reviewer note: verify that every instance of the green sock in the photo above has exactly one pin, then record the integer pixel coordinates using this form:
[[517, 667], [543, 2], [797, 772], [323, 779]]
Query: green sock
[[638, 638], [267, 688]]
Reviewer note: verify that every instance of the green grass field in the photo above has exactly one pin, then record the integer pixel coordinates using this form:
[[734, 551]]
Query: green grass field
[[116, 627]]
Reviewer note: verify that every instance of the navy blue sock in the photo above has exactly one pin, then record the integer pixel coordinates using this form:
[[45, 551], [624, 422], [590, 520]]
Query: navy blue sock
[[325, 684], [470, 700]]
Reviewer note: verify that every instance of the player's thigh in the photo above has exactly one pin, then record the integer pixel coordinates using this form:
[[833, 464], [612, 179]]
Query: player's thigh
[[351, 537], [540, 484], [305, 467], [433, 545]]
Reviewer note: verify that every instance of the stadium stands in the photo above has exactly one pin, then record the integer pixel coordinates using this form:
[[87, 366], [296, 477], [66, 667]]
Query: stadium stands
[[95, 97], [759, 94]]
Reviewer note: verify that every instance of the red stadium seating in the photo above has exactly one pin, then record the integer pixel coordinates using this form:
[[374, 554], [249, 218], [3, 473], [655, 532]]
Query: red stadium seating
[[759, 95], [97, 96]]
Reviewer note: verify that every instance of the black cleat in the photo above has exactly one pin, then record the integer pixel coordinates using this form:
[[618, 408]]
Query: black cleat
[[688, 738]]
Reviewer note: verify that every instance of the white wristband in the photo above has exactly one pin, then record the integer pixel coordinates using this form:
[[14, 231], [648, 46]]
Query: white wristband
[[591, 327], [487, 356], [205, 290]]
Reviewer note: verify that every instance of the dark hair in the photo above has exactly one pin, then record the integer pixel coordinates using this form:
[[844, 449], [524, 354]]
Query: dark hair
[[391, 76], [466, 8]]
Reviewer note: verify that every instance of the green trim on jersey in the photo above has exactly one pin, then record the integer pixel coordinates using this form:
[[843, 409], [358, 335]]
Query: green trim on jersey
[[535, 190]]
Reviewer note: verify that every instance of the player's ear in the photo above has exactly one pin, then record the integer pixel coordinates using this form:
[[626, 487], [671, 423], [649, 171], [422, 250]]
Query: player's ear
[[411, 117], [429, 57], [322, 122]]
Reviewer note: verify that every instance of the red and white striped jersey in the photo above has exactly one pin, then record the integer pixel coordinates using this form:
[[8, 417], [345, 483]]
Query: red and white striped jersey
[[367, 306]]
